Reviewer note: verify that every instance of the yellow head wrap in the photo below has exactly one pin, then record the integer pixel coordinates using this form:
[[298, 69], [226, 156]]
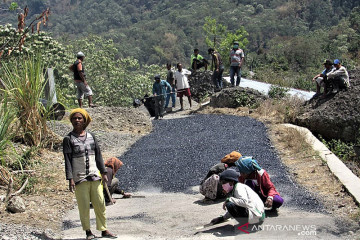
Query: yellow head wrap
[[231, 158], [82, 112]]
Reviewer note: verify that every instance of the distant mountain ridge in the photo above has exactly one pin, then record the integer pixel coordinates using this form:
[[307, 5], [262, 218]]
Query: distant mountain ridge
[[159, 31]]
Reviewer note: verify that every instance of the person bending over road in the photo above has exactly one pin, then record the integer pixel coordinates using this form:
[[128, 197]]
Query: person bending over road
[[258, 180], [242, 201], [112, 166]]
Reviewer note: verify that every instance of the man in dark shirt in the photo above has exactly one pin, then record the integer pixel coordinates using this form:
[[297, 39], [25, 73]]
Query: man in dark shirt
[[218, 69], [80, 80]]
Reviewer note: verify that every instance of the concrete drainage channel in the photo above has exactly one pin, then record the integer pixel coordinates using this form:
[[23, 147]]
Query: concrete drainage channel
[[336, 166]]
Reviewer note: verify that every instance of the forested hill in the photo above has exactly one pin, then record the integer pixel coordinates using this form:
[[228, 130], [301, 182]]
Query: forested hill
[[286, 34]]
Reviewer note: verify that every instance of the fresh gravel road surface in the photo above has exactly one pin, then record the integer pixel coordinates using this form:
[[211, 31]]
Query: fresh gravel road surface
[[178, 153]]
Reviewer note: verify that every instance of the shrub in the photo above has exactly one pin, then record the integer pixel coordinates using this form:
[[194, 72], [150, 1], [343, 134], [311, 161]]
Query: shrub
[[277, 92], [242, 99], [341, 149]]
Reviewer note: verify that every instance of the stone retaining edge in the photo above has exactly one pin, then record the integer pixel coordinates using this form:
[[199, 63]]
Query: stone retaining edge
[[350, 181]]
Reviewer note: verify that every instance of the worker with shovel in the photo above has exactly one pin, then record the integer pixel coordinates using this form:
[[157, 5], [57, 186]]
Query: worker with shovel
[[112, 166], [159, 91]]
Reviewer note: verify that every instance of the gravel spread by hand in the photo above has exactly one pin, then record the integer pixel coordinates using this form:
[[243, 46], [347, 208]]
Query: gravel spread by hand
[[178, 153]]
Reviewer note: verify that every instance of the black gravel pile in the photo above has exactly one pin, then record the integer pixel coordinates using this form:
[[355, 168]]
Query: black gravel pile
[[178, 153], [202, 85]]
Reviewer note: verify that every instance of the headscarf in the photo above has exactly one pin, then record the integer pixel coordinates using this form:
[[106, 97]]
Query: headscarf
[[231, 157], [114, 163], [247, 165], [82, 112]]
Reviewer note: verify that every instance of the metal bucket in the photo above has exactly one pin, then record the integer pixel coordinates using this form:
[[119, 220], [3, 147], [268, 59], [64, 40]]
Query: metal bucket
[[57, 110]]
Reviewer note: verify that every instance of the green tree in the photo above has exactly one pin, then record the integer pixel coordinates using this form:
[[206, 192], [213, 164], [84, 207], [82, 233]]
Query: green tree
[[115, 82], [221, 39]]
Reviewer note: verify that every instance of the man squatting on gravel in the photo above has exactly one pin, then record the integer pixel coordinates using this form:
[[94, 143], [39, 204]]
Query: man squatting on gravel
[[83, 165], [242, 203]]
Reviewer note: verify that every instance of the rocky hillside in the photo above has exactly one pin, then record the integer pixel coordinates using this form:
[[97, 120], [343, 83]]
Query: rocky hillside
[[336, 116]]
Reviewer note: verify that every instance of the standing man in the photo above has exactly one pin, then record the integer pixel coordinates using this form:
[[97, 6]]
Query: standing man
[[236, 61], [80, 80], [219, 68], [170, 91], [339, 77], [182, 84], [198, 61], [159, 92]]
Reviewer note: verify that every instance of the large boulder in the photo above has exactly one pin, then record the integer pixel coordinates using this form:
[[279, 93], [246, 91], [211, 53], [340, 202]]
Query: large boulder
[[237, 97], [336, 116]]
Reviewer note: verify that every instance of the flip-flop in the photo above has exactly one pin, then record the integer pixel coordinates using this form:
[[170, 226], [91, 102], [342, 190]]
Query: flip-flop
[[110, 236], [91, 237]]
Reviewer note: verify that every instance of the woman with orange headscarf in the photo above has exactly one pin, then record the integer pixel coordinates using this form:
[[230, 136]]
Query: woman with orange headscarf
[[112, 166]]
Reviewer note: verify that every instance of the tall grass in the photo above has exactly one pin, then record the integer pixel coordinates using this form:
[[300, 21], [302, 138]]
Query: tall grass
[[6, 118], [24, 82], [283, 110]]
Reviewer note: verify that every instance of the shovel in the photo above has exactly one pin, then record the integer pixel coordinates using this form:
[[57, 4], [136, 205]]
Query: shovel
[[207, 226], [108, 193]]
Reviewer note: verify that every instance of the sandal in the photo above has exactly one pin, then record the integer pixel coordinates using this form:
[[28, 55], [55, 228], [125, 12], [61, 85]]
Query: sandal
[[91, 236], [108, 235]]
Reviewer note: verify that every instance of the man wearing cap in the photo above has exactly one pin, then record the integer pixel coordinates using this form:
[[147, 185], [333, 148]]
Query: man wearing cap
[[242, 201], [219, 68], [80, 80], [339, 77], [198, 61], [321, 79], [159, 91], [236, 61]]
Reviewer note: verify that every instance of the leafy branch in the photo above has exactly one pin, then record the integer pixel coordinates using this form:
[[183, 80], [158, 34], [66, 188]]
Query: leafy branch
[[43, 17]]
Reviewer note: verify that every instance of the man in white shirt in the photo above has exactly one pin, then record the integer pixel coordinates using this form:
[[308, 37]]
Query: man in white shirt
[[242, 201], [339, 77], [182, 84], [236, 60]]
